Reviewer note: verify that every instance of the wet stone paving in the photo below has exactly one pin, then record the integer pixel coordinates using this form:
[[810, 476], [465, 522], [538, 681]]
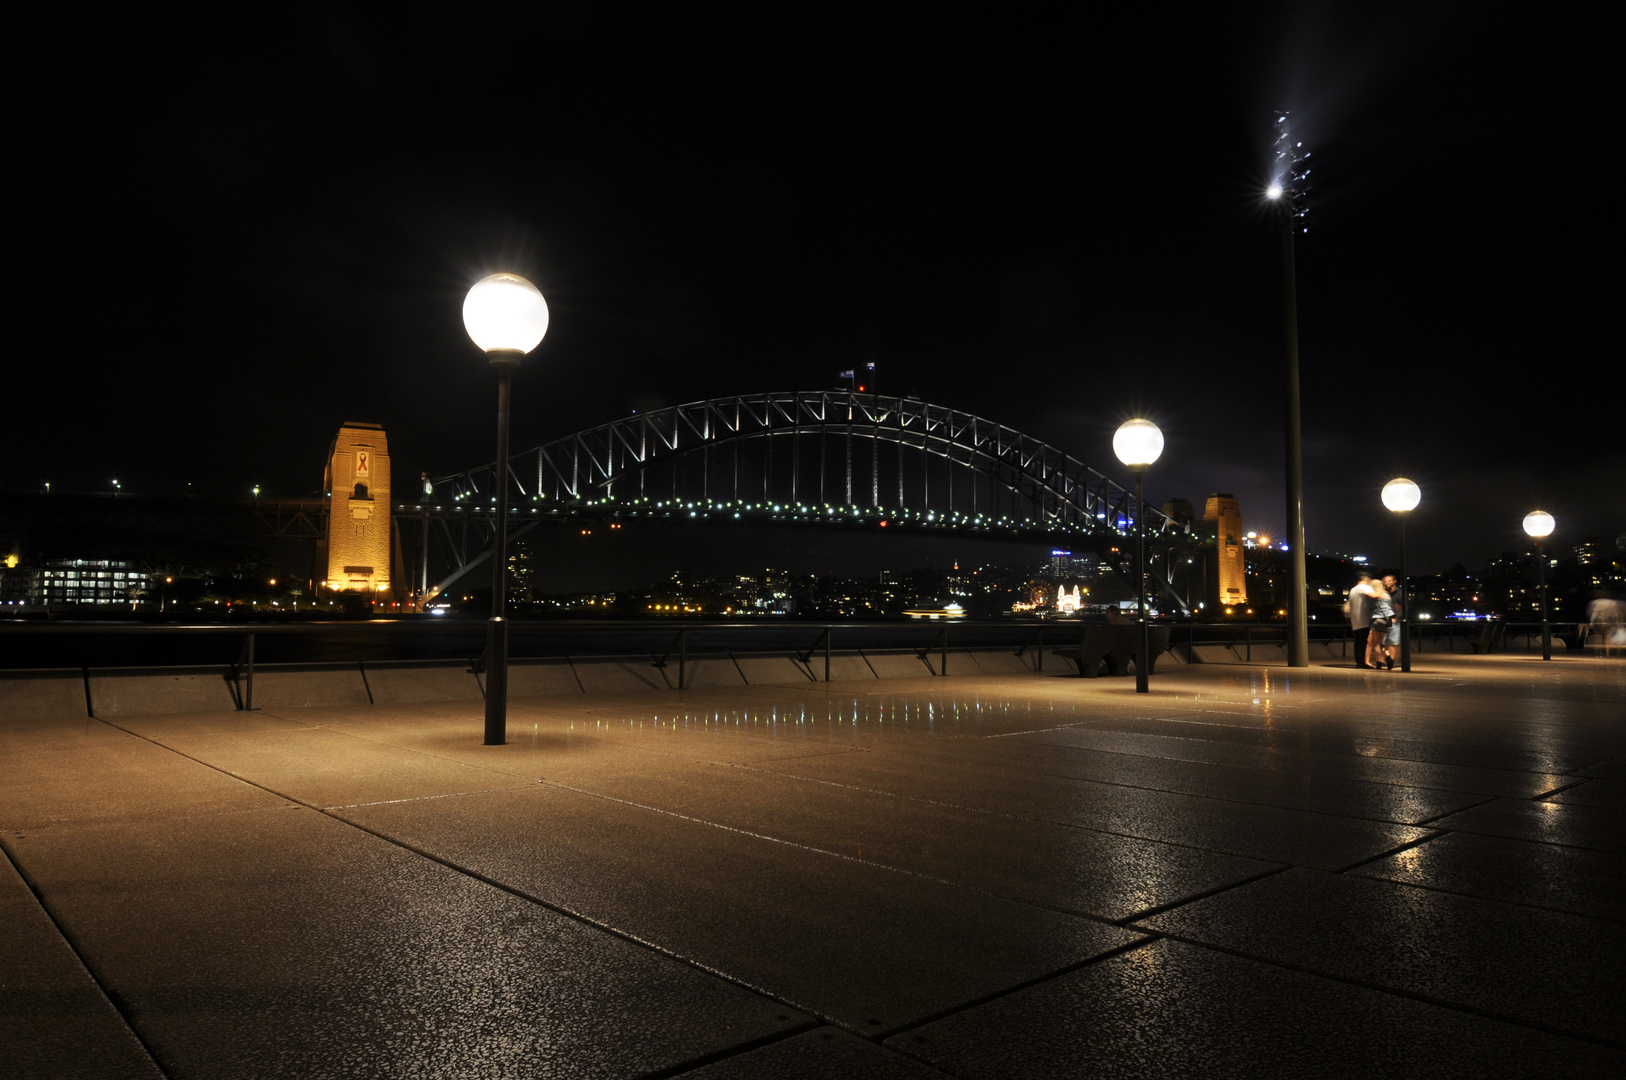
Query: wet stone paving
[[1250, 871]]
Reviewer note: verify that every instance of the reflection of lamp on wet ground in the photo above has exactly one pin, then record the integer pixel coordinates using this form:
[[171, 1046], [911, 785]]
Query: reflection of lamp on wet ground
[[1138, 443], [506, 316], [1540, 524], [1402, 496]]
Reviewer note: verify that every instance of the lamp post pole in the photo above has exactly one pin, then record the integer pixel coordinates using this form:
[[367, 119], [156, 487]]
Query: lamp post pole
[[1288, 187], [1405, 602], [497, 625], [506, 316], [1298, 621], [1143, 646], [1541, 577]]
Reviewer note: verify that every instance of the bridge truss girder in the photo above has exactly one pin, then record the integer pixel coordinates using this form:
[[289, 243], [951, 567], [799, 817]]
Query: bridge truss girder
[[1029, 483], [1012, 486]]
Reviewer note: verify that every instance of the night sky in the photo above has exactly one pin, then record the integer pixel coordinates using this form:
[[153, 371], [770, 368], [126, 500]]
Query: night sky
[[229, 239]]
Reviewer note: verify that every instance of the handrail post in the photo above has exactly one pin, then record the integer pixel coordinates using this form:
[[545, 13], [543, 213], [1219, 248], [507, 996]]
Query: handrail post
[[1040, 665], [248, 689], [827, 636], [683, 656], [943, 663]]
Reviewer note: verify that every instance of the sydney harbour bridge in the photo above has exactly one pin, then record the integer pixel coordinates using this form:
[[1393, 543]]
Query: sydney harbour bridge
[[825, 459]]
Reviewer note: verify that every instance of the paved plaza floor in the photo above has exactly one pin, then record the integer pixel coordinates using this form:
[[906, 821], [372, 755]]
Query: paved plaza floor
[[1248, 872]]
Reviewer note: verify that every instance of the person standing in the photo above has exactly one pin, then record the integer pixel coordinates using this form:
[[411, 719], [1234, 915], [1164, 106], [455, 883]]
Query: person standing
[[1382, 621], [1360, 616], [1391, 638]]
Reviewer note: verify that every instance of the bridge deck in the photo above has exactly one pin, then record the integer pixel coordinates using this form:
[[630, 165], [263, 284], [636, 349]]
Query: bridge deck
[[1249, 871]]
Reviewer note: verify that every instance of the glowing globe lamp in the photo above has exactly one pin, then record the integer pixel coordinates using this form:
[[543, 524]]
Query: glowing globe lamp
[[1539, 523], [1137, 443], [1401, 495], [505, 315]]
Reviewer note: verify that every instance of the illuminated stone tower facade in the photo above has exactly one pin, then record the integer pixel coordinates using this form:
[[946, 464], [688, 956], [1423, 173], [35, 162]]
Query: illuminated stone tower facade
[[1228, 576], [358, 520]]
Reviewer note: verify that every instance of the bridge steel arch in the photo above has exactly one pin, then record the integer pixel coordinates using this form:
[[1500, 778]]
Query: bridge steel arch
[[819, 457]]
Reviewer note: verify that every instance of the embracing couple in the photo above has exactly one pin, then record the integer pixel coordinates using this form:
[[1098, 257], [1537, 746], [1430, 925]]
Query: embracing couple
[[1374, 614]]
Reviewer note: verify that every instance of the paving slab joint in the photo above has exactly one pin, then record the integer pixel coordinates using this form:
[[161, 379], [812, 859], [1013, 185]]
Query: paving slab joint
[[1014, 988], [1428, 822], [1397, 849], [1579, 780], [1394, 991], [1127, 921], [114, 1000], [734, 1051]]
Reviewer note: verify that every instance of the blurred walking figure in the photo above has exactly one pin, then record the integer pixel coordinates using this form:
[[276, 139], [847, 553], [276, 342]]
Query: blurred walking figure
[[1360, 616], [1608, 617], [1383, 616]]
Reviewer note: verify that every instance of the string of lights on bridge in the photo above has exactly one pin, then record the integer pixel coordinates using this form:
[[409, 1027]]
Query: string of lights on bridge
[[667, 508]]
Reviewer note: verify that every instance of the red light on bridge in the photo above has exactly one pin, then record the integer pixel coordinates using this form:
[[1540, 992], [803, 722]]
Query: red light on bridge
[[883, 524]]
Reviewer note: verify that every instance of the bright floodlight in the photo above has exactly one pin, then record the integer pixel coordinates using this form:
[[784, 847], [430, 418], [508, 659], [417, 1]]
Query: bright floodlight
[[1539, 523], [1401, 495], [505, 313], [1137, 443], [1274, 191]]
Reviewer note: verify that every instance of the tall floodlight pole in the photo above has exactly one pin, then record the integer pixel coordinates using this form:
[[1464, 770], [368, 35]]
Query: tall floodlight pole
[[1289, 186], [506, 316], [1401, 496], [1540, 524], [1138, 443]]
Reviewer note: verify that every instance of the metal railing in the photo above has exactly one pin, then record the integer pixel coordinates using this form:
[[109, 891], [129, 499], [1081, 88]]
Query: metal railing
[[1484, 635], [239, 648]]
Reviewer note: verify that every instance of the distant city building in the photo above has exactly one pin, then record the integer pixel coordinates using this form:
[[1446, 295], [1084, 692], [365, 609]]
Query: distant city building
[[358, 521], [1228, 579], [67, 582], [1066, 565], [1599, 564]]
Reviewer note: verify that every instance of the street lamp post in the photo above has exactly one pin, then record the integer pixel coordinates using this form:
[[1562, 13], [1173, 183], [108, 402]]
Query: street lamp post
[[1288, 187], [1540, 524], [1138, 443], [506, 316], [1402, 496]]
